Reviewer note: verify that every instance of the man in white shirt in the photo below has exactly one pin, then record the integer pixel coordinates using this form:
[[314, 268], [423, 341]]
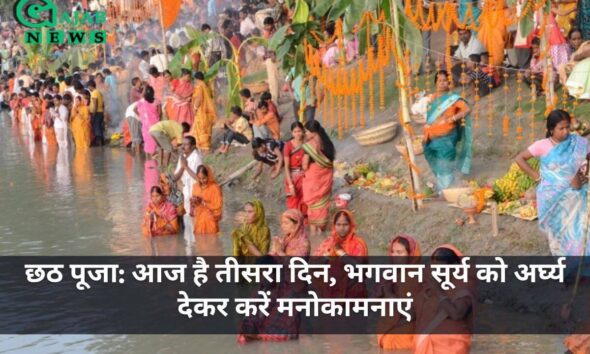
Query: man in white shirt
[[468, 45], [186, 170], [61, 122], [247, 26], [160, 61]]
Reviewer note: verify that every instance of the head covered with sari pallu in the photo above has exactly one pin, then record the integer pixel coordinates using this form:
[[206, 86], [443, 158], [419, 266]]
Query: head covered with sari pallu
[[433, 319], [352, 244], [296, 243], [256, 232]]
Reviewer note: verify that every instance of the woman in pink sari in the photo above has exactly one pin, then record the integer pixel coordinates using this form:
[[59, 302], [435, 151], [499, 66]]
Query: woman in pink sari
[[180, 101], [148, 110], [319, 170]]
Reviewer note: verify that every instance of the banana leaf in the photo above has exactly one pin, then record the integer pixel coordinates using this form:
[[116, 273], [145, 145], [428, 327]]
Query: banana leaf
[[233, 86], [410, 36], [339, 8], [212, 71], [177, 62], [301, 12], [352, 15], [321, 7], [278, 38]]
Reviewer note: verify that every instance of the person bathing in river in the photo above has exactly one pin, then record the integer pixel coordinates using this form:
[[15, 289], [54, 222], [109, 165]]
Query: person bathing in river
[[269, 152], [161, 218], [252, 236], [206, 202], [561, 193]]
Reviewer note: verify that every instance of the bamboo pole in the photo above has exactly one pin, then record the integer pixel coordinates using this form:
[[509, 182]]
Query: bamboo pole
[[405, 109], [161, 7]]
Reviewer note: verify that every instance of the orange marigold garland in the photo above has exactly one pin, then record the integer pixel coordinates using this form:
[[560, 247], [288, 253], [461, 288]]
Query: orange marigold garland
[[519, 109], [505, 119]]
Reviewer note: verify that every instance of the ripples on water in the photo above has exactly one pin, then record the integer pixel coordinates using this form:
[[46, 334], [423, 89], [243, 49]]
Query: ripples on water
[[71, 203]]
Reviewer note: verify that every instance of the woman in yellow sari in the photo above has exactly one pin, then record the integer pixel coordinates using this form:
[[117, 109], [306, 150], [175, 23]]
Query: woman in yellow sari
[[206, 202], [252, 237], [395, 333], [81, 127], [205, 114]]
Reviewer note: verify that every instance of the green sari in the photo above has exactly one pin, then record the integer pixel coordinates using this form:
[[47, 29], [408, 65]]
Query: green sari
[[453, 151]]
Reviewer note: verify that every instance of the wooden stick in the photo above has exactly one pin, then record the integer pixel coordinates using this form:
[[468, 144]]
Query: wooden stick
[[494, 219], [239, 172], [404, 100]]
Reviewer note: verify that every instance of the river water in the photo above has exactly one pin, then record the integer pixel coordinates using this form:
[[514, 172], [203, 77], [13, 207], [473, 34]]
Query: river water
[[70, 203]]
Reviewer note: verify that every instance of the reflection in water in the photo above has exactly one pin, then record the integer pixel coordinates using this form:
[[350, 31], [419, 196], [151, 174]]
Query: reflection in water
[[94, 206]]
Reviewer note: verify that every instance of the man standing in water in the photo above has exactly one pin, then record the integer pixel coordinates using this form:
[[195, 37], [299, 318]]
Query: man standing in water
[[186, 170]]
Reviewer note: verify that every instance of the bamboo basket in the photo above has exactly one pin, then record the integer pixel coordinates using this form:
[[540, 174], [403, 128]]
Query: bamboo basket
[[452, 194], [417, 143], [257, 87], [377, 135]]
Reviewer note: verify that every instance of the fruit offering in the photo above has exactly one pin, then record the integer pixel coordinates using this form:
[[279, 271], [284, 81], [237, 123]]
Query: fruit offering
[[515, 183]]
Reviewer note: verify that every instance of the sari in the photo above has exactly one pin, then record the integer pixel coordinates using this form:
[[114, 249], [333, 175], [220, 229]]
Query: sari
[[81, 127], [448, 146], [492, 32], [295, 198], [179, 103], [148, 115], [352, 244], [36, 122], [583, 18], [256, 233], [48, 127], [397, 340], [207, 217], [562, 209], [429, 317], [297, 243], [317, 185], [157, 217], [204, 115]]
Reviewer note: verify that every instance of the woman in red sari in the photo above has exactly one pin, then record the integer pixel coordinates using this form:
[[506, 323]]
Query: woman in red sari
[[160, 217], [36, 118], [179, 102], [293, 154], [318, 164], [396, 334], [440, 311]]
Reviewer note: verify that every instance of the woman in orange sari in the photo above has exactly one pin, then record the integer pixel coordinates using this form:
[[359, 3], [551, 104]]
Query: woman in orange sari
[[204, 113], [179, 103], [440, 311], [492, 31], [342, 244], [81, 127], [343, 240], [398, 334], [48, 117], [206, 203], [160, 217], [36, 117], [318, 164]]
